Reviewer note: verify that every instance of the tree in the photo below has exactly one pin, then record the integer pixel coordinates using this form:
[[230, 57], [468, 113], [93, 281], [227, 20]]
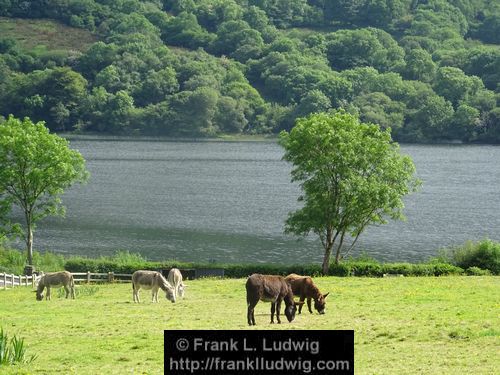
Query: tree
[[347, 49], [455, 85], [351, 175], [35, 168]]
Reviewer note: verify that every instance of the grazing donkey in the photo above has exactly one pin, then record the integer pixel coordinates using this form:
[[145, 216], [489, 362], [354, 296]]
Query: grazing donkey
[[269, 288], [151, 280], [175, 279], [55, 280], [304, 287]]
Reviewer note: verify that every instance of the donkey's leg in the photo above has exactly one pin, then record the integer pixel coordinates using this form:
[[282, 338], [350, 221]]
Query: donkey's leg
[[278, 307], [154, 292], [135, 292], [302, 298], [309, 305], [250, 314], [67, 290], [47, 297], [273, 309]]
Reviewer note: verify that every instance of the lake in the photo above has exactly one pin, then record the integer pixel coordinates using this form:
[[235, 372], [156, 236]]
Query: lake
[[227, 202]]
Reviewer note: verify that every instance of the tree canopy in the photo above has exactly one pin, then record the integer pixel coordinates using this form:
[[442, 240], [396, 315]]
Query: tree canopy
[[351, 174], [35, 168], [288, 58]]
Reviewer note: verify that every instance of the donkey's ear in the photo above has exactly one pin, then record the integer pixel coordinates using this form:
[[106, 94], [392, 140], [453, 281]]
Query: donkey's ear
[[326, 295]]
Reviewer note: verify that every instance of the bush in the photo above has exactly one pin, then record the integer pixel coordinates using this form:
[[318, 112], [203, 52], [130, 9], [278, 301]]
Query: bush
[[367, 269], [14, 261], [484, 255], [476, 271], [342, 269], [123, 263]]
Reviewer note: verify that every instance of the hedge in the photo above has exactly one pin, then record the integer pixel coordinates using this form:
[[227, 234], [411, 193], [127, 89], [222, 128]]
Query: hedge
[[350, 268]]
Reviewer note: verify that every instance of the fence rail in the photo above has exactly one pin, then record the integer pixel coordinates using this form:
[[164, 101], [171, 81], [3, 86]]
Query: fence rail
[[8, 281], [11, 280], [110, 277]]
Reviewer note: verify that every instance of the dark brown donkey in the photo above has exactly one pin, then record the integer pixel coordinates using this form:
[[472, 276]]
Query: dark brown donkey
[[269, 288], [304, 287]]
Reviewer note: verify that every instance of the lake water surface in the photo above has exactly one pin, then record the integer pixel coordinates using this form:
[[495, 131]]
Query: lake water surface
[[227, 201]]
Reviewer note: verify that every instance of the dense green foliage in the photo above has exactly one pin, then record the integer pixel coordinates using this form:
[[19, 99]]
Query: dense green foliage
[[430, 70], [370, 268], [471, 256], [35, 169], [351, 175], [13, 261]]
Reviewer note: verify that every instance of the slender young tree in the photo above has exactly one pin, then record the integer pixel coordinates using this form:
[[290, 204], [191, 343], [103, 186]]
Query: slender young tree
[[351, 174], [35, 168]]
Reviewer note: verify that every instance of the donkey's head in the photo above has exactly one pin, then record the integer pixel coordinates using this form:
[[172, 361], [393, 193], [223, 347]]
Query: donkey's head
[[39, 294], [320, 303], [39, 289], [181, 290], [169, 292]]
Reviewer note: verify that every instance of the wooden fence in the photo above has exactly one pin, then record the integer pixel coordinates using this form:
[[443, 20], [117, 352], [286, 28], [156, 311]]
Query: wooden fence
[[11, 281], [110, 277], [8, 281]]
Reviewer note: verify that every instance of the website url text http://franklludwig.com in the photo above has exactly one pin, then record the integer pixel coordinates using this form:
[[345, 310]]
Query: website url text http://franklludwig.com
[[260, 364], [293, 352]]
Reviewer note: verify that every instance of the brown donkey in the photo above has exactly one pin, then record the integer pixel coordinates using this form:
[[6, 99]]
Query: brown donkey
[[269, 288], [304, 287]]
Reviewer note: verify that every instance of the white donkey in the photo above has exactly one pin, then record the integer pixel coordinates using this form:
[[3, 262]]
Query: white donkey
[[151, 280], [175, 278], [55, 280]]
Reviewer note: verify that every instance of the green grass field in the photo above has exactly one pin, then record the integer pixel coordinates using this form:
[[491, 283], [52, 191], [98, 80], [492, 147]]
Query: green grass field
[[42, 35], [447, 325]]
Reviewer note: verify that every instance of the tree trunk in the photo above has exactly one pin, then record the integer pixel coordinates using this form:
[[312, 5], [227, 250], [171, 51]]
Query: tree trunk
[[337, 256], [330, 240], [29, 244], [29, 236], [326, 261]]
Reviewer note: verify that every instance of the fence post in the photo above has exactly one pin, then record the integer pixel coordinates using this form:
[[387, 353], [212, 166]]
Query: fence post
[[88, 277], [5, 281], [111, 277]]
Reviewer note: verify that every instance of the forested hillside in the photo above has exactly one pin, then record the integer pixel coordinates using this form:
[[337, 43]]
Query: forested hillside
[[430, 70]]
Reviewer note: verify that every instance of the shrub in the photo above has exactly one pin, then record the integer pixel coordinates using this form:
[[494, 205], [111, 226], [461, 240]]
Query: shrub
[[443, 269], [342, 269], [484, 254], [398, 268], [14, 261], [367, 269], [476, 271], [350, 268]]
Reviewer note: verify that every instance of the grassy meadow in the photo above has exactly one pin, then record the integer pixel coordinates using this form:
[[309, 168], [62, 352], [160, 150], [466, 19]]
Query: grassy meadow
[[428, 325], [42, 35]]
